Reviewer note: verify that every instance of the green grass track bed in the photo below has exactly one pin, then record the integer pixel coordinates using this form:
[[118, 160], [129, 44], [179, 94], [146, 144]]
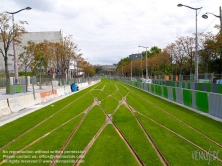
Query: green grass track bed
[[30, 120], [128, 125], [176, 150], [173, 124], [45, 149], [50, 124], [89, 127], [109, 104], [109, 150]]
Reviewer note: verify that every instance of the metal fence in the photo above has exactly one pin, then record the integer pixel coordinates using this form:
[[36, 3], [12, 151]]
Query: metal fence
[[47, 81], [202, 77]]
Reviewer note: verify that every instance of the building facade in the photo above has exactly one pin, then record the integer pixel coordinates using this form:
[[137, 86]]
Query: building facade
[[37, 37], [135, 56]]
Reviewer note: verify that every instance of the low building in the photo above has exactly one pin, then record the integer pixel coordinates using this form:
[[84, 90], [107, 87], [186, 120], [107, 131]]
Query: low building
[[108, 67]]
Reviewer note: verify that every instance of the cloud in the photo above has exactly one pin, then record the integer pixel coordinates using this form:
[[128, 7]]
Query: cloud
[[108, 30], [40, 5]]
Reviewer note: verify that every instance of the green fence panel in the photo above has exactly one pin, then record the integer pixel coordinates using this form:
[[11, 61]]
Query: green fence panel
[[202, 101], [169, 83], [187, 97], [160, 90], [177, 84], [165, 92], [188, 85], [183, 84], [19, 88], [209, 87], [157, 89], [200, 86], [11, 88], [174, 94], [152, 88], [220, 88]]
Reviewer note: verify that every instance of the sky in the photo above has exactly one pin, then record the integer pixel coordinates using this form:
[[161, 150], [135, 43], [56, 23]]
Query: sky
[[108, 30]]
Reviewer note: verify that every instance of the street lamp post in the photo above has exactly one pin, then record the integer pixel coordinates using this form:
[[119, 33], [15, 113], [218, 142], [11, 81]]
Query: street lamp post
[[141, 66], [196, 54], [131, 70], [14, 49], [220, 17], [146, 62]]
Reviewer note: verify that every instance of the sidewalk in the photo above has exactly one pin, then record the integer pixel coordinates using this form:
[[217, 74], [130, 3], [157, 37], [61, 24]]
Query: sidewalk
[[15, 115]]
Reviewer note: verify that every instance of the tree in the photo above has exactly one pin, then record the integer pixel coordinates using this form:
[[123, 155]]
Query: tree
[[152, 52], [122, 66], [8, 35], [206, 43], [40, 63], [64, 54], [26, 58]]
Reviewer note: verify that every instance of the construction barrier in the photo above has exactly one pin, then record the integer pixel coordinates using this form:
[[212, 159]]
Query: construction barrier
[[47, 95], [37, 99], [60, 91], [15, 104], [67, 90], [4, 108]]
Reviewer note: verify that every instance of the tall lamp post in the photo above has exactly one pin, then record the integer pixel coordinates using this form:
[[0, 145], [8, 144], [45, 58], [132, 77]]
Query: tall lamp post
[[14, 49], [146, 62], [220, 17], [196, 54]]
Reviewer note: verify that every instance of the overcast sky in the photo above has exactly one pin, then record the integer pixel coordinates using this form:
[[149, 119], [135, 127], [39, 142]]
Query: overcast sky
[[108, 30]]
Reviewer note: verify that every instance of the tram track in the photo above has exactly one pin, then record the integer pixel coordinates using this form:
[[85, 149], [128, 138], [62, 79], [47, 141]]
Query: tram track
[[179, 120], [173, 132], [109, 120], [149, 138], [49, 132], [40, 123]]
